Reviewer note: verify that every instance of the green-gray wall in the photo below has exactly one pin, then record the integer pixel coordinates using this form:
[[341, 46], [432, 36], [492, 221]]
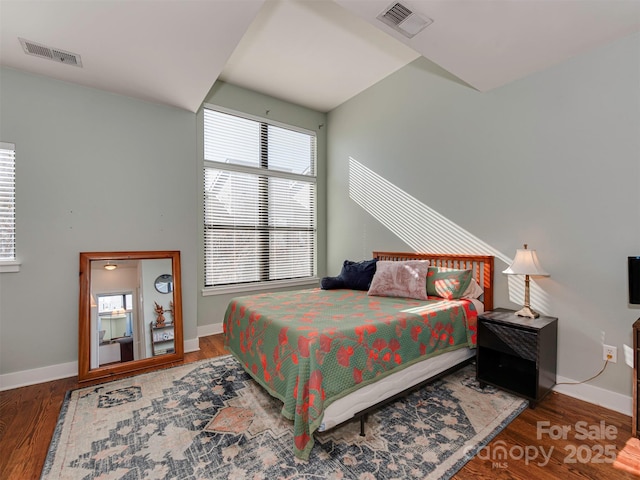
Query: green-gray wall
[[552, 160], [94, 172], [103, 172]]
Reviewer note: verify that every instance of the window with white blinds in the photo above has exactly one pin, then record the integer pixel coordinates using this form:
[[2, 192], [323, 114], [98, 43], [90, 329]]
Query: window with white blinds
[[259, 201], [7, 202]]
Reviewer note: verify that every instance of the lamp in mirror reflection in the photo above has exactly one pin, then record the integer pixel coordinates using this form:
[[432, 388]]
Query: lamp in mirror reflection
[[526, 263], [110, 266]]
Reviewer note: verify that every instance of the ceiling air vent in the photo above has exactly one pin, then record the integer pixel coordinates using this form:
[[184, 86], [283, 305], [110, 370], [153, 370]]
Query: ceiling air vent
[[55, 54], [404, 20]]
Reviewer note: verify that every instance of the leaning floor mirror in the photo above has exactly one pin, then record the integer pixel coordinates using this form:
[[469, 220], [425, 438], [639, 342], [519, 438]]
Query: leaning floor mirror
[[130, 315]]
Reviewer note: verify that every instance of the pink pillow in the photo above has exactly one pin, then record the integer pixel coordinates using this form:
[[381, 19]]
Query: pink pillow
[[400, 279]]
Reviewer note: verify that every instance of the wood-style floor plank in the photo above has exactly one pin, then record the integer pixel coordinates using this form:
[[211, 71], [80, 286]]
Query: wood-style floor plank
[[570, 456], [28, 416]]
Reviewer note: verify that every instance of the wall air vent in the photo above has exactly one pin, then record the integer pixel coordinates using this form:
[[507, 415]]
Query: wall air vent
[[404, 20], [55, 54]]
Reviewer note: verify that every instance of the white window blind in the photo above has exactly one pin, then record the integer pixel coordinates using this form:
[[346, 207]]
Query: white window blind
[[259, 201], [7, 202]]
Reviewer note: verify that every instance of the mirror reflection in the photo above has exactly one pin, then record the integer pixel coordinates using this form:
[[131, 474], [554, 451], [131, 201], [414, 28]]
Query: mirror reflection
[[125, 310], [164, 283], [130, 310]]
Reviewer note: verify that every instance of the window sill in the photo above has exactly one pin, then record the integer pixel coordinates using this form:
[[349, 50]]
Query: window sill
[[9, 266], [251, 287]]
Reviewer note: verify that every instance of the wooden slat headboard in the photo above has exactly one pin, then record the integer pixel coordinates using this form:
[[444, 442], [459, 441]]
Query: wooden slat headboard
[[482, 266]]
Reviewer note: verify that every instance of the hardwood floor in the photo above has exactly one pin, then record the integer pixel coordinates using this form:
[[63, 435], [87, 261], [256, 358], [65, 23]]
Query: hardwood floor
[[560, 438], [28, 417]]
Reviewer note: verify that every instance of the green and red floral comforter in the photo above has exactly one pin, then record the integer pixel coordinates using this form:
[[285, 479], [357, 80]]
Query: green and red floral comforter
[[311, 347]]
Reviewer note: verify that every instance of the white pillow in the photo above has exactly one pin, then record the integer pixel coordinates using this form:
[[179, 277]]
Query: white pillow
[[400, 279], [474, 290]]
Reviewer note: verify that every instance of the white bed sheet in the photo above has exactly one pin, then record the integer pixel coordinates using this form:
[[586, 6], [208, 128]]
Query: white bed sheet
[[346, 407]]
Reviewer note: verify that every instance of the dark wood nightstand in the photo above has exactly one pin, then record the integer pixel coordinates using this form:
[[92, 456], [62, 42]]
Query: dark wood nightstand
[[635, 426], [517, 354]]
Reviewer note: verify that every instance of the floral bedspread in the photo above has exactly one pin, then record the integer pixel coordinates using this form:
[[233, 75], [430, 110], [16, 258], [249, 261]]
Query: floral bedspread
[[311, 347]]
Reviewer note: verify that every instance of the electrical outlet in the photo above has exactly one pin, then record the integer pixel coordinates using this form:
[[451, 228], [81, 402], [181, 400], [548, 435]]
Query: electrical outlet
[[609, 353]]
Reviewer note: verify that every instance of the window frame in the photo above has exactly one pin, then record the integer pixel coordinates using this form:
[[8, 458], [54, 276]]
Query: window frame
[[260, 172], [11, 264]]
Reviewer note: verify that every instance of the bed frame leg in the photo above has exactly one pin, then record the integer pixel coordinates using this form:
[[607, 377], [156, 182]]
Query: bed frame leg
[[363, 418]]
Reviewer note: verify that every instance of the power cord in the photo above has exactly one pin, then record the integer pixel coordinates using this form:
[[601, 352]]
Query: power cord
[[588, 379]]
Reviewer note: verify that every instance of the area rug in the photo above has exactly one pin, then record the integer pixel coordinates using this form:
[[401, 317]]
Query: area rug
[[209, 419]]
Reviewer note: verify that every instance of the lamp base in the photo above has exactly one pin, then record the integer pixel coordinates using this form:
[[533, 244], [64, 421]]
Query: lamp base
[[527, 312]]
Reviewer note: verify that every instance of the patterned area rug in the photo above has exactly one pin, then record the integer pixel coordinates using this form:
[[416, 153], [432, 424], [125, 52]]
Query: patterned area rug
[[210, 420]]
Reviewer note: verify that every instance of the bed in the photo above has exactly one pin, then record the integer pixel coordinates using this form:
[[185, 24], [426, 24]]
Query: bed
[[332, 355]]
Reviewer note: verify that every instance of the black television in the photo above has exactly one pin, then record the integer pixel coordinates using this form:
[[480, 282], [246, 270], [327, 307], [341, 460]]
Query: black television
[[634, 280]]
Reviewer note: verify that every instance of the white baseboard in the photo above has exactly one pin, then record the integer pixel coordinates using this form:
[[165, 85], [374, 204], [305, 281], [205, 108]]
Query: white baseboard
[[62, 370], [596, 395], [191, 345], [38, 375], [212, 329]]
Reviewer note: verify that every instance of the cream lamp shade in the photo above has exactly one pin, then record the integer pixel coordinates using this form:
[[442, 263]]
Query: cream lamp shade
[[526, 263]]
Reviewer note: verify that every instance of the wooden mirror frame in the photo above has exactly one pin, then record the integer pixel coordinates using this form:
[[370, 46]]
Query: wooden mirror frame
[[85, 372]]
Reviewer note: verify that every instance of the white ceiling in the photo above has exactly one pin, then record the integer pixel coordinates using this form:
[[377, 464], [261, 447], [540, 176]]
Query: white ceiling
[[489, 43], [313, 53], [167, 52], [316, 53]]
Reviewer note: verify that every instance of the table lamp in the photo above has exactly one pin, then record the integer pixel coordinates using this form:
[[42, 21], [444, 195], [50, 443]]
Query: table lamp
[[526, 263]]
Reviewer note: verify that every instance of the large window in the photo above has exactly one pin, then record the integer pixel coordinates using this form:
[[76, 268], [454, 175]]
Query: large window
[[7, 202], [259, 201], [114, 316]]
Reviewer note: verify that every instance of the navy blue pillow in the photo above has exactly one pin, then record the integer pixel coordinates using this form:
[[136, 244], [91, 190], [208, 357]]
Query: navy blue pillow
[[331, 283], [354, 275]]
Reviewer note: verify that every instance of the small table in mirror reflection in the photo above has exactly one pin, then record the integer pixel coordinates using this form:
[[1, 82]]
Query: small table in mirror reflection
[[162, 339]]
